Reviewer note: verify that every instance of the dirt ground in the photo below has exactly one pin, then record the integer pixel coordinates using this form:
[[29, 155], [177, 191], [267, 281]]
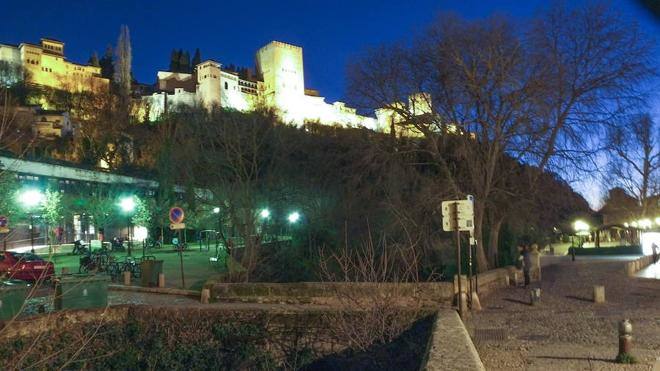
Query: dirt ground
[[566, 330]]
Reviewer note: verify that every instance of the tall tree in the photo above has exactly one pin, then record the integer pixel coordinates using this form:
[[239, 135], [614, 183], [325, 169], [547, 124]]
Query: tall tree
[[491, 95], [197, 58], [174, 61], [184, 62], [94, 60], [123, 64], [634, 159], [107, 63]]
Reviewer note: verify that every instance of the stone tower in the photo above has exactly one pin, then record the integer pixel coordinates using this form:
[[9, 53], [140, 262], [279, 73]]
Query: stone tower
[[208, 84], [281, 66]]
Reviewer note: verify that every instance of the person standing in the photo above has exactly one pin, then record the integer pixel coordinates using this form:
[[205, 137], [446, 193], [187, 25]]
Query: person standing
[[527, 263]]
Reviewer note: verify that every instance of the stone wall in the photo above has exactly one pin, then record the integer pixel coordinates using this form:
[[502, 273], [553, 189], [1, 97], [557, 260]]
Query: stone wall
[[331, 293]]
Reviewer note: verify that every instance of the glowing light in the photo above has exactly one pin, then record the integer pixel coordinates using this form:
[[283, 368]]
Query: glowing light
[[634, 224], [645, 223], [265, 214], [580, 226], [626, 225], [140, 233], [216, 210], [657, 220], [31, 198], [127, 204], [647, 240], [293, 217]]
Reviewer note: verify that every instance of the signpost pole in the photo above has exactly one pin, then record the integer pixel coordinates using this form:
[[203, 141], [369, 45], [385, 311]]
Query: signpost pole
[[183, 280], [470, 285], [458, 262]]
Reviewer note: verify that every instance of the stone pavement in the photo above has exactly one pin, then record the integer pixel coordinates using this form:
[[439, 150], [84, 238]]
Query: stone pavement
[[652, 271], [567, 331]]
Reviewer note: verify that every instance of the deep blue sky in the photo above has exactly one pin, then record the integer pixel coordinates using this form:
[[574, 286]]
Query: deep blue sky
[[330, 32], [231, 31]]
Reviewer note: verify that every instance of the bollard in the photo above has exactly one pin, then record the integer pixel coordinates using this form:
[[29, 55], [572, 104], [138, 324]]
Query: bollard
[[625, 341], [475, 304], [127, 278], [630, 271], [65, 271], [515, 278], [535, 296], [161, 280], [206, 294], [507, 281], [599, 294]]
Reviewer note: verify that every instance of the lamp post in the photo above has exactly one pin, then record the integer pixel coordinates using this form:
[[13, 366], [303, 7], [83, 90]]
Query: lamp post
[[127, 205], [31, 198], [218, 233]]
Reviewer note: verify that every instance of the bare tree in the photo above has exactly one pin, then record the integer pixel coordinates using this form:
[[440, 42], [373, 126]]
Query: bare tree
[[123, 62], [493, 98], [634, 159], [379, 278]]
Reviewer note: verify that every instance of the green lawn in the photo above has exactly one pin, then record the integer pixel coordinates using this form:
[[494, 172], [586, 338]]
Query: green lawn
[[196, 265]]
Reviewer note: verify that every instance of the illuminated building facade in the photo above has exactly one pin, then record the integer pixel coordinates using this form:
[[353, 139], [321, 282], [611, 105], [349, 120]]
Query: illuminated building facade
[[279, 83], [46, 65]]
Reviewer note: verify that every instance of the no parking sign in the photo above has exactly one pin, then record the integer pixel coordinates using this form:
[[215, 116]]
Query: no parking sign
[[176, 215]]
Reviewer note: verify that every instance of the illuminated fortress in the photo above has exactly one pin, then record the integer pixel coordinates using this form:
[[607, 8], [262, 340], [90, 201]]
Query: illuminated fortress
[[278, 83], [45, 65]]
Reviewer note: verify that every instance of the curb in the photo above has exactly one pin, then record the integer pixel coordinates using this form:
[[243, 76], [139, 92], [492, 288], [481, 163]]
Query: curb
[[450, 346]]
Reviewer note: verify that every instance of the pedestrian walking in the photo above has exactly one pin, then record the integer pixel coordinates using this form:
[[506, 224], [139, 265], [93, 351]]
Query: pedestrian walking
[[654, 250]]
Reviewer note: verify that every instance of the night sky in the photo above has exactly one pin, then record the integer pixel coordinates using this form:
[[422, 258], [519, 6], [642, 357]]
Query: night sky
[[231, 32]]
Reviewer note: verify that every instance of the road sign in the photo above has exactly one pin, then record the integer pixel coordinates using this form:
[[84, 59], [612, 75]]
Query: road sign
[[4, 222], [176, 215], [458, 214], [175, 226]]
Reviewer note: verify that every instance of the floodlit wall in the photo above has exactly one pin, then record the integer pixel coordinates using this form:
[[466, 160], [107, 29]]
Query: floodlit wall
[[283, 88], [208, 80], [46, 65]]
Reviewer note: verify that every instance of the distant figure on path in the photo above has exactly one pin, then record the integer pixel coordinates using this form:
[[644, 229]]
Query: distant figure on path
[[527, 263], [654, 250]]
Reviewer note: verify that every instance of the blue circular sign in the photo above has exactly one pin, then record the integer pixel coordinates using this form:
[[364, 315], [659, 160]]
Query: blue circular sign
[[176, 215]]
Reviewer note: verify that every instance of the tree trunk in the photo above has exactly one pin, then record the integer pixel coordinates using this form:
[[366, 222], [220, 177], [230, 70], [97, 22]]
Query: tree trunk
[[482, 261], [493, 242]]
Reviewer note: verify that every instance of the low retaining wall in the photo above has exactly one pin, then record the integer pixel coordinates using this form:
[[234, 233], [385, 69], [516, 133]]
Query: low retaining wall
[[429, 294], [450, 346], [636, 265], [612, 250], [331, 293]]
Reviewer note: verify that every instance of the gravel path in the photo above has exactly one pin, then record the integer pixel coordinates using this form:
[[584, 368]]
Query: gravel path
[[567, 331]]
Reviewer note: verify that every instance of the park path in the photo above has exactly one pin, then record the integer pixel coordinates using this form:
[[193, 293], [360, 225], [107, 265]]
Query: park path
[[567, 331]]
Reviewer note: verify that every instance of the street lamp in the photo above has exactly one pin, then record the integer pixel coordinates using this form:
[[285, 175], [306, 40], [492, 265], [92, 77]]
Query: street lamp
[[264, 214], [30, 198], [293, 217], [127, 205]]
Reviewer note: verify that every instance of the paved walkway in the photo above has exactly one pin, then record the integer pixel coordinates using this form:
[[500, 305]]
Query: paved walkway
[[567, 331], [652, 271]]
